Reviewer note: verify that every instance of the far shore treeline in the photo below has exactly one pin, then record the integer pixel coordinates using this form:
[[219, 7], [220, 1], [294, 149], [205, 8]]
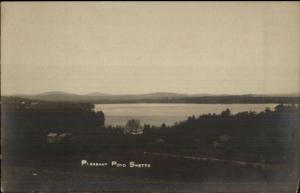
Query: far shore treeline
[[163, 97]]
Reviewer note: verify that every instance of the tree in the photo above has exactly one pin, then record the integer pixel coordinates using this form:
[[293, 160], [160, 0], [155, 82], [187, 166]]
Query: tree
[[101, 118], [133, 126], [226, 113]]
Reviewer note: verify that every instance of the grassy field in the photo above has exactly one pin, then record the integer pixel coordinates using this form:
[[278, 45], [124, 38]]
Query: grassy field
[[166, 173]]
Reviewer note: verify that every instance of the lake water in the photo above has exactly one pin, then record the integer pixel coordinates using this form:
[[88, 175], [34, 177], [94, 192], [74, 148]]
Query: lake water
[[156, 114]]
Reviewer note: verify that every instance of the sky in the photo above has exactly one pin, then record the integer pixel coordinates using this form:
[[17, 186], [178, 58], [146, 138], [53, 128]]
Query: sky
[[145, 47]]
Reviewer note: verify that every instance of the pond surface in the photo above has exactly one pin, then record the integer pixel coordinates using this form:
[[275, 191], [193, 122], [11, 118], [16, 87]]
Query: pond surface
[[157, 114]]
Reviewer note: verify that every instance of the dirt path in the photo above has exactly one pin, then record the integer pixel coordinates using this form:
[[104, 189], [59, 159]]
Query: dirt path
[[233, 162]]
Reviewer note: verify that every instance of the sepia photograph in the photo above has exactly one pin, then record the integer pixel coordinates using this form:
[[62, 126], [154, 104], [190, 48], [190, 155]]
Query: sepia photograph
[[150, 97]]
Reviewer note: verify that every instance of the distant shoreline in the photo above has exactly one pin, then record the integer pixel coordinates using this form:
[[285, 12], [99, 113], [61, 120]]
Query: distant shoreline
[[165, 99]]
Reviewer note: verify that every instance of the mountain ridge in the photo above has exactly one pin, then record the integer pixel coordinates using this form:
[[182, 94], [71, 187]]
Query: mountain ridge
[[95, 97]]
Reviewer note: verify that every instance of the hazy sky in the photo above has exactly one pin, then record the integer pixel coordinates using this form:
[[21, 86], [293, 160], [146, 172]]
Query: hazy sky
[[135, 47]]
